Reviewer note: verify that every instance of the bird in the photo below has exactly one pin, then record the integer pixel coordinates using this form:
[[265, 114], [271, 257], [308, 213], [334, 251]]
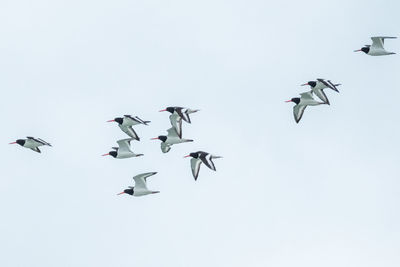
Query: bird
[[302, 102], [123, 150], [177, 115], [126, 123], [376, 49], [171, 139], [319, 85], [32, 143], [140, 188], [201, 157]]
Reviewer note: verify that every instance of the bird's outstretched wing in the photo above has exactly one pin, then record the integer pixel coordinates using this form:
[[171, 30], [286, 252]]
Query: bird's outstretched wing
[[182, 112], [141, 179], [328, 84], [195, 165], [129, 131], [307, 95], [36, 149], [37, 141], [378, 41], [172, 133], [321, 94], [165, 148], [176, 123], [298, 111], [125, 144], [136, 119], [206, 159]]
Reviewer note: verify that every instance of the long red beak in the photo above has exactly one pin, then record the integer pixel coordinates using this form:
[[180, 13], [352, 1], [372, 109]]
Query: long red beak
[[162, 110], [186, 156], [304, 84], [121, 193], [12, 143], [106, 154], [287, 101], [110, 120], [155, 138]]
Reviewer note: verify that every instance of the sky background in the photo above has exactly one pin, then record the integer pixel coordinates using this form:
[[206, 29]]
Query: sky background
[[324, 192]]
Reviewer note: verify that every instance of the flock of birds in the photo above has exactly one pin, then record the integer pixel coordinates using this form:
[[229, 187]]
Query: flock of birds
[[179, 114], [318, 86], [123, 151]]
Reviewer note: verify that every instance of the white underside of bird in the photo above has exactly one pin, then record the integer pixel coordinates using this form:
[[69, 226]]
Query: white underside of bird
[[306, 99], [140, 188], [377, 48], [205, 158], [172, 139], [33, 143], [322, 84], [124, 149]]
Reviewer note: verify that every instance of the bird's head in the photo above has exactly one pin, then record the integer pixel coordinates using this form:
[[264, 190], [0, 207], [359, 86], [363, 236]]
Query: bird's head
[[160, 137], [20, 142], [365, 49], [169, 109], [127, 191], [193, 155], [111, 153], [294, 99], [119, 120], [310, 83]]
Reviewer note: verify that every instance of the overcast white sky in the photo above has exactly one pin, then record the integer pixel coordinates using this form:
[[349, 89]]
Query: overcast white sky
[[324, 192]]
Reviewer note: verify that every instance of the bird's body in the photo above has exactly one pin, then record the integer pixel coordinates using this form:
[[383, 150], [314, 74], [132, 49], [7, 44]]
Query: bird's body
[[177, 115], [140, 188], [319, 85], [125, 124], [377, 48], [200, 157], [123, 150], [305, 100], [171, 139], [32, 143]]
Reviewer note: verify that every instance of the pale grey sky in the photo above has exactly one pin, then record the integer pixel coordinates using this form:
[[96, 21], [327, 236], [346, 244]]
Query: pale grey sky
[[324, 192]]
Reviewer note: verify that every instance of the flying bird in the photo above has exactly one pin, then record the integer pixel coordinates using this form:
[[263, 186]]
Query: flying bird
[[302, 102], [177, 115], [123, 150], [376, 49], [126, 123], [171, 139], [140, 188], [32, 143], [201, 157], [319, 85]]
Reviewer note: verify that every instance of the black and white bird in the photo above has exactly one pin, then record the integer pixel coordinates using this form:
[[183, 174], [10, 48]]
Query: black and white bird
[[123, 150], [201, 157], [377, 47], [177, 115], [32, 143], [319, 85], [171, 139], [140, 188], [302, 102], [126, 123]]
